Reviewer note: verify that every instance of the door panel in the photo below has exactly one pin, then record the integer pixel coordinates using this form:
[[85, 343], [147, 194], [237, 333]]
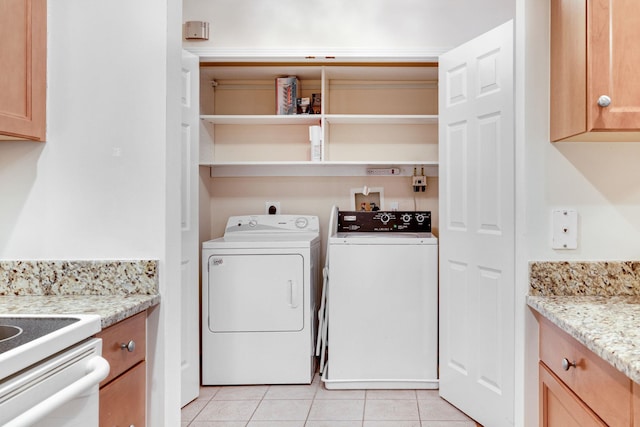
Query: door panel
[[477, 236], [252, 293], [190, 256]]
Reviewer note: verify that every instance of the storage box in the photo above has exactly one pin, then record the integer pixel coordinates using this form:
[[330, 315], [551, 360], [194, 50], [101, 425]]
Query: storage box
[[287, 94]]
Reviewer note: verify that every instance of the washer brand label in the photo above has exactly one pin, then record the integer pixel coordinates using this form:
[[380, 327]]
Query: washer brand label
[[217, 261]]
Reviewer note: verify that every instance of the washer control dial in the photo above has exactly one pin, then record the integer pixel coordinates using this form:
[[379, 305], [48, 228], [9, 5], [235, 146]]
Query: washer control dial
[[302, 222]]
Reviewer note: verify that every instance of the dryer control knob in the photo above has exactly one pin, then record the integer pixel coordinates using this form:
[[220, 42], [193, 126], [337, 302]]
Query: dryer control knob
[[253, 223], [406, 218], [420, 218], [302, 222], [385, 218]]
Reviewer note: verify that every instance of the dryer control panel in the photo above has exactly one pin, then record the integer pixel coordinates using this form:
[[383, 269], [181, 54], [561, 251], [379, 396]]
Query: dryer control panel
[[248, 224], [382, 221]]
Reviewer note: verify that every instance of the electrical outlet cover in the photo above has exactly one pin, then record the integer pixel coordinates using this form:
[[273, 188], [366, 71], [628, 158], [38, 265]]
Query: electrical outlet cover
[[268, 206], [565, 229]]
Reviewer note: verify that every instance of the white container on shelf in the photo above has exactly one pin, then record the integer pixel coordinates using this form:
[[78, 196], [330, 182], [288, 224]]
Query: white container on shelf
[[315, 138]]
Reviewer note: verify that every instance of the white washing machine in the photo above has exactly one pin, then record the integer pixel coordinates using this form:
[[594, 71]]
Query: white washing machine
[[382, 302], [259, 293]]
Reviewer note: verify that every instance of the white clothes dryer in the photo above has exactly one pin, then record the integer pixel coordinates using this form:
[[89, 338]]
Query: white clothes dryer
[[259, 295]]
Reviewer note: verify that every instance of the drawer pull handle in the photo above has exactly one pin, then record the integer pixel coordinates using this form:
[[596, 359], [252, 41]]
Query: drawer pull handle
[[130, 346], [566, 365], [604, 101]]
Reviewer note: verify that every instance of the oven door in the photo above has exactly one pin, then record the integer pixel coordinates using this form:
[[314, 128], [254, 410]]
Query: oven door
[[60, 391]]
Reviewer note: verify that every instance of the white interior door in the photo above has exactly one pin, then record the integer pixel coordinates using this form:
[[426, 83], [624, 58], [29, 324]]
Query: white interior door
[[477, 227], [190, 325]]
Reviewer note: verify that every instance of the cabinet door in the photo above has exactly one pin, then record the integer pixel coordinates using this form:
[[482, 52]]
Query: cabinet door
[[122, 402], [636, 405], [559, 407], [23, 60], [614, 31]]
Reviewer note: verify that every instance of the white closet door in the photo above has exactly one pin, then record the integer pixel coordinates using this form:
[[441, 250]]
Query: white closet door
[[190, 324], [477, 227]]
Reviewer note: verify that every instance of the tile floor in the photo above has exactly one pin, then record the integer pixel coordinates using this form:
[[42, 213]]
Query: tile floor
[[314, 406]]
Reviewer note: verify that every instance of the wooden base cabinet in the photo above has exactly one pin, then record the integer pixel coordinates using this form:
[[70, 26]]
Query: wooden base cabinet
[[123, 392], [578, 388], [595, 90]]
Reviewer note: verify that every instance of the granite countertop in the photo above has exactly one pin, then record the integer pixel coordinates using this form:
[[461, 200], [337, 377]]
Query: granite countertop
[[597, 303], [111, 308], [113, 289]]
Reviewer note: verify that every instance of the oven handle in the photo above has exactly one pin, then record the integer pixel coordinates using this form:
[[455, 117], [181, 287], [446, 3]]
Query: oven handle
[[98, 370]]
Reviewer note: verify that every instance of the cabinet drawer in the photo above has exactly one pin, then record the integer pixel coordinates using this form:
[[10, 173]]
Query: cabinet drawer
[[602, 387], [122, 402], [559, 407], [120, 359]]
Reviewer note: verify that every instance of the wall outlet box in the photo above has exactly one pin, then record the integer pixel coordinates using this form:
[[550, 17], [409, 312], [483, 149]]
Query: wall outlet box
[[565, 229], [419, 180], [272, 208]]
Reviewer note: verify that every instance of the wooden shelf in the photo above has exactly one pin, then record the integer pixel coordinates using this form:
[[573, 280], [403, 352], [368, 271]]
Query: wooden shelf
[[237, 169], [257, 119], [373, 116]]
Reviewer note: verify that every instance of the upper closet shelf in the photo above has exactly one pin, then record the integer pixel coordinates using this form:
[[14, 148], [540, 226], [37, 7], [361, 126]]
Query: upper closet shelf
[[314, 119], [324, 168]]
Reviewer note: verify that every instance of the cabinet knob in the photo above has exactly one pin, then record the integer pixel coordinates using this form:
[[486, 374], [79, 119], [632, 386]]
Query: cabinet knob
[[130, 346], [566, 365], [604, 101]]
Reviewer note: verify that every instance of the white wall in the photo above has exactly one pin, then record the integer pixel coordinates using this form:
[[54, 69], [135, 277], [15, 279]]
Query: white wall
[[101, 187], [365, 24]]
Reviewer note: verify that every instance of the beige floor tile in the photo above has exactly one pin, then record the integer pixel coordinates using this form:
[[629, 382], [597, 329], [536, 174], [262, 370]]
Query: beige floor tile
[[323, 393], [218, 424], [228, 410], [190, 411], [207, 392], [391, 394], [275, 424], [448, 424], [291, 391], [440, 410], [283, 410], [248, 392], [330, 423], [337, 410], [391, 424], [387, 410], [428, 394]]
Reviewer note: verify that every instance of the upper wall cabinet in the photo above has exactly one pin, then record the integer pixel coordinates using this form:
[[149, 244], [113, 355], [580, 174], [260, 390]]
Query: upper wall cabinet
[[376, 118], [595, 88], [23, 69]]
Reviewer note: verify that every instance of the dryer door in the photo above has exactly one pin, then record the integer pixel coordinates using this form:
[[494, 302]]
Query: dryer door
[[256, 292]]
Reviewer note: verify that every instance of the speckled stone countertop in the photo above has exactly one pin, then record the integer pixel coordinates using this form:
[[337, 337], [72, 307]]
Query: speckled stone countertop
[[597, 303], [111, 308], [114, 290]]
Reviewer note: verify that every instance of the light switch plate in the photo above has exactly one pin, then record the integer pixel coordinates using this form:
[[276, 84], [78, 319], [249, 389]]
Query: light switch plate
[[565, 229]]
